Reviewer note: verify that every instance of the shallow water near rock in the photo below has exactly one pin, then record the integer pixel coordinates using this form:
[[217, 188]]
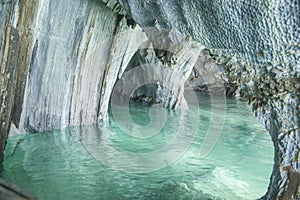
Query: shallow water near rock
[[106, 162]]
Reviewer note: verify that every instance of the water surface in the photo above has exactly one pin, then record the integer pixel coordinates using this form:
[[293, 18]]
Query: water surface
[[106, 162]]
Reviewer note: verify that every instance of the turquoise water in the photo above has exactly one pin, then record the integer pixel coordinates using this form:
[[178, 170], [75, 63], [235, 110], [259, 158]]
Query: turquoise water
[[108, 162]]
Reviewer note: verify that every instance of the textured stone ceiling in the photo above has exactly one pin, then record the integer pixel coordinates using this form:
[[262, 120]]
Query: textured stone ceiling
[[51, 53], [258, 44]]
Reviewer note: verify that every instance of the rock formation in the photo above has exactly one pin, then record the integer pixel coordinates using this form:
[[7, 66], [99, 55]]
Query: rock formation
[[72, 54], [258, 44], [61, 59]]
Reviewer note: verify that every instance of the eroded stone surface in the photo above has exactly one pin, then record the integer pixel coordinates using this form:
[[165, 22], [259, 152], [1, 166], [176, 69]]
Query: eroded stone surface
[[7, 84], [77, 50], [164, 63], [258, 44], [71, 62]]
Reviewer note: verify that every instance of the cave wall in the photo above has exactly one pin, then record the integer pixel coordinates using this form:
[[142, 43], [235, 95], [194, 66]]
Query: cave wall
[[8, 70], [70, 54], [7, 76], [70, 71], [258, 44], [60, 60], [165, 68]]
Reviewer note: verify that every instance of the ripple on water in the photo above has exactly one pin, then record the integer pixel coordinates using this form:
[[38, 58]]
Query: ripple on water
[[58, 164]]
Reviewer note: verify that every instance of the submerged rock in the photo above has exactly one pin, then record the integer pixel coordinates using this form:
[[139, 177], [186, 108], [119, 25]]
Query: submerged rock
[[175, 190]]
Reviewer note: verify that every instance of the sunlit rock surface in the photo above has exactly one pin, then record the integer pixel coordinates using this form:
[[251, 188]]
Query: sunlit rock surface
[[71, 53], [79, 53], [159, 71], [77, 50]]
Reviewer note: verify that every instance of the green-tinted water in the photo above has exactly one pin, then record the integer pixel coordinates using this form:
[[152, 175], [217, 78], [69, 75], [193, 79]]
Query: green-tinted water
[[105, 163]]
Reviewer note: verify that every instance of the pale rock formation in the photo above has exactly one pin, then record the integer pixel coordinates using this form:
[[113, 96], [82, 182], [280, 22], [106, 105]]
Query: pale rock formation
[[61, 59], [258, 44]]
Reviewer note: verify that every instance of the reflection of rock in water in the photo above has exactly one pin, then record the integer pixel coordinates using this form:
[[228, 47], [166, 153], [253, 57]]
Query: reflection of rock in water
[[184, 191], [148, 94]]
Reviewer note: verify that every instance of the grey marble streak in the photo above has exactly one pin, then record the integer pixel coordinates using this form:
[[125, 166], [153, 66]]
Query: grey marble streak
[[81, 47], [71, 68], [4, 11]]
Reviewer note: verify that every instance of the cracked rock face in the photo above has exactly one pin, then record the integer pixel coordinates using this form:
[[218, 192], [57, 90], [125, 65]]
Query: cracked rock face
[[59, 61]]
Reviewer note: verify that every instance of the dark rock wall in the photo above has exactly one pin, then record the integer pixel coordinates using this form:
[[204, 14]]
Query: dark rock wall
[[7, 83], [24, 17], [8, 56]]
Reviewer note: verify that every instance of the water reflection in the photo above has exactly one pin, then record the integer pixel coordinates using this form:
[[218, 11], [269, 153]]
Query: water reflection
[[68, 164]]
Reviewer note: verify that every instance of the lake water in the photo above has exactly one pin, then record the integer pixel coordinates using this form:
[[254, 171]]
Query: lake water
[[137, 155]]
